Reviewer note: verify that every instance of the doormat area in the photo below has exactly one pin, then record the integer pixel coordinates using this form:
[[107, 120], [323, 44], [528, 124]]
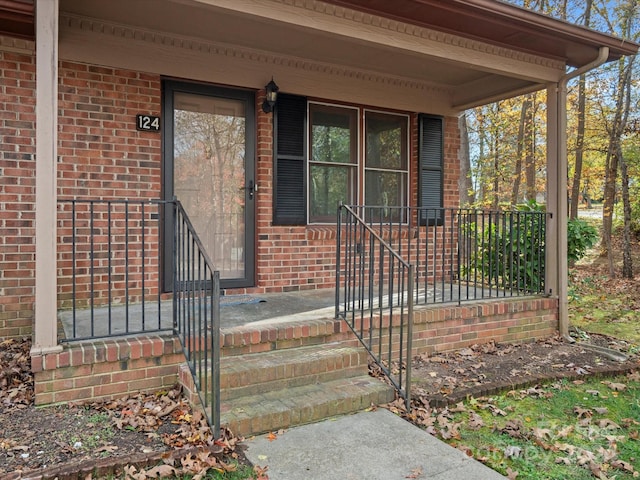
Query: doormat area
[[229, 300]]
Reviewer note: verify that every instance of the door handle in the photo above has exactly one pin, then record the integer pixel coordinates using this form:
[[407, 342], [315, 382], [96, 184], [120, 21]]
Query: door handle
[[251, 187]]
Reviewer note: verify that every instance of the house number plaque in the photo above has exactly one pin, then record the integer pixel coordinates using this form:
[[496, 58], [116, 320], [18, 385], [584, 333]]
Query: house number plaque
[[147, 123]]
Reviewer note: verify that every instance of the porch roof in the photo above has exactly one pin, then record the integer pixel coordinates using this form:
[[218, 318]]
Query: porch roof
[[459, 53]]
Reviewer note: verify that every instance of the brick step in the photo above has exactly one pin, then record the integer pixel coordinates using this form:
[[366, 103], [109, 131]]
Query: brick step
[[262, 337], [271, 411], [257, 373]]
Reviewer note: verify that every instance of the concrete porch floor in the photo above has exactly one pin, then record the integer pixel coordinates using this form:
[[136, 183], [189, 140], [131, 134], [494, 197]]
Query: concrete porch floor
[[235, 311], [240, 310]]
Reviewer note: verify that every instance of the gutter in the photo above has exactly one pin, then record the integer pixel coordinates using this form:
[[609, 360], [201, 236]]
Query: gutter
[[562, 208]]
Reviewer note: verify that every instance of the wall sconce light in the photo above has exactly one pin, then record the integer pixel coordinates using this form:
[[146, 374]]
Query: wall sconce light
[[271, 97]]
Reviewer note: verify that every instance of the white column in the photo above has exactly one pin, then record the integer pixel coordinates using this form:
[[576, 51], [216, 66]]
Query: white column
[[46, 21]]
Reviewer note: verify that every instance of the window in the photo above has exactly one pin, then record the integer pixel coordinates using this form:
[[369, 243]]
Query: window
[[327, 154], [386, 163], [333, 165]]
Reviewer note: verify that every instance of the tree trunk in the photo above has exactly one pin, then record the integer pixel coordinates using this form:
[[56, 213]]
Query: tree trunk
[[627, 262], [464, 182], [577, 172], [517, 174], [529, 147]]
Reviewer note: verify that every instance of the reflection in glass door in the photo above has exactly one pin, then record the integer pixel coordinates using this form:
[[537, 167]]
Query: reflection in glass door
[[212, 164]]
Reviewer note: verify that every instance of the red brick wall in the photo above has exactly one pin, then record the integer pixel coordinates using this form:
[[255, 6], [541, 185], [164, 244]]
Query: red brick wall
[[103, 156], [106, 369], [17, 193]]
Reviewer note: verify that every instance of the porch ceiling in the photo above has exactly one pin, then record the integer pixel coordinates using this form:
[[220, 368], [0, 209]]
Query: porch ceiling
[[458, 46]]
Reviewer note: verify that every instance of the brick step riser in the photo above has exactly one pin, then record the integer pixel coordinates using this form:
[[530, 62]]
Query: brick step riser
[[260, 341], [256, 387], [302, 412]]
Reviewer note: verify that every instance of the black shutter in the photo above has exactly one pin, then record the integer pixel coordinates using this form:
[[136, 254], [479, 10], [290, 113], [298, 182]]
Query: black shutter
[[289, 191], [431, 158]]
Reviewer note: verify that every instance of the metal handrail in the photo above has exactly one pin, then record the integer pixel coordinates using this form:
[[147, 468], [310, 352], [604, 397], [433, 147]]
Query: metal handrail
[[196, 312], [108, 251], [389, 259], [374, 295]]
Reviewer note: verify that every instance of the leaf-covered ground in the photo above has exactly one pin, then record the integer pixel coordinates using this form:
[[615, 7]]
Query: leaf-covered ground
[[144, 436]]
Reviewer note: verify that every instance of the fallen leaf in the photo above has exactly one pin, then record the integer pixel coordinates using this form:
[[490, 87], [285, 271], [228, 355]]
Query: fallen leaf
[[582, 412], [415, 473], [107, 448], [272, 436], [606, 423], [511, 474], [512, 451], [565, 431], [621, 465], [475, 421], [619, 387], [541, 433]]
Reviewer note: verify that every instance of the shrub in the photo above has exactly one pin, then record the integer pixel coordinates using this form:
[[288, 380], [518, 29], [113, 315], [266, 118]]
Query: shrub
[[580, 237], [508, 251]]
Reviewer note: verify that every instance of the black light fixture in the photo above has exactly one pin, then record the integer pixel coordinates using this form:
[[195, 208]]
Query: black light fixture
[[271, 97]]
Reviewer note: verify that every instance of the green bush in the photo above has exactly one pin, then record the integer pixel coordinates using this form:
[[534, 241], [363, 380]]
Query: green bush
[[508, 250], [580, 237]]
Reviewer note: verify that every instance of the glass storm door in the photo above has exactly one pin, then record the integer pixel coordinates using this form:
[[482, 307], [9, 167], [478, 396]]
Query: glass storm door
[[211, 163]]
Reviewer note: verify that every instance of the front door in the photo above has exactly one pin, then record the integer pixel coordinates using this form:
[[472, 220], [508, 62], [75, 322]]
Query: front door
[[209, 152]]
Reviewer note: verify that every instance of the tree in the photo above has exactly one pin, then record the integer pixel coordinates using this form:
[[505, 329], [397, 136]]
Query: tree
[[615, 158], [577, 171]]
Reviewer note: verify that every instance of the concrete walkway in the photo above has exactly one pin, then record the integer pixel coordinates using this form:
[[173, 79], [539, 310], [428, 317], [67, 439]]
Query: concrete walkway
[[366, 446]]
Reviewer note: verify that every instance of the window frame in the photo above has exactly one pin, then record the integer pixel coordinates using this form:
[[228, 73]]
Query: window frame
[[356, 151], [406, 146]]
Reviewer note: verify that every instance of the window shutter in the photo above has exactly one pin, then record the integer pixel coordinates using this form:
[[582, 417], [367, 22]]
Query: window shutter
[[431, 158], [290, 192]]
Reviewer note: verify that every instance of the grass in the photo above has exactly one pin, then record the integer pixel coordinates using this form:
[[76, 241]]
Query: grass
[[563, 430], [595, 307]]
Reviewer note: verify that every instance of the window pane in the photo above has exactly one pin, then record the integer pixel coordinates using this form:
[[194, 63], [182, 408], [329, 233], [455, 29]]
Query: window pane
[[386, 141], [328, 186], [386, 189], [333, 134]]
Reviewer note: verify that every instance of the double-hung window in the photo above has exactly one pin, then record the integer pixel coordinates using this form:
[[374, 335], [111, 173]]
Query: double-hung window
[[386, 163], [333, 160]]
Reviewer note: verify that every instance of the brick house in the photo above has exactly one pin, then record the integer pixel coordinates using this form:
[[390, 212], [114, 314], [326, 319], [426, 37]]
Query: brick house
[[151, 100]]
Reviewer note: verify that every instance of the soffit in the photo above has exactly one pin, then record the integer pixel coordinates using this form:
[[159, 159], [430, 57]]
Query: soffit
[[404, 43]]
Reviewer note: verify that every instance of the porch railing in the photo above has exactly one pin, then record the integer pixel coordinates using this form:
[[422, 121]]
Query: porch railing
[[390, 259], [196, 313], [110, 265], [374, 295]]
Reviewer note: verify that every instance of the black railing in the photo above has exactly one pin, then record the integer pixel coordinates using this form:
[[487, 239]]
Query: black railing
[[196, 313], [374, 295], [465, 254], [392, 258], [110, 264]]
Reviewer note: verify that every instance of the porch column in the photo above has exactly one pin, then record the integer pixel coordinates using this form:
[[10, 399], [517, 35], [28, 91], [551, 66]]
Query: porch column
[[551, 258], [46, 23], [557, 277]]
